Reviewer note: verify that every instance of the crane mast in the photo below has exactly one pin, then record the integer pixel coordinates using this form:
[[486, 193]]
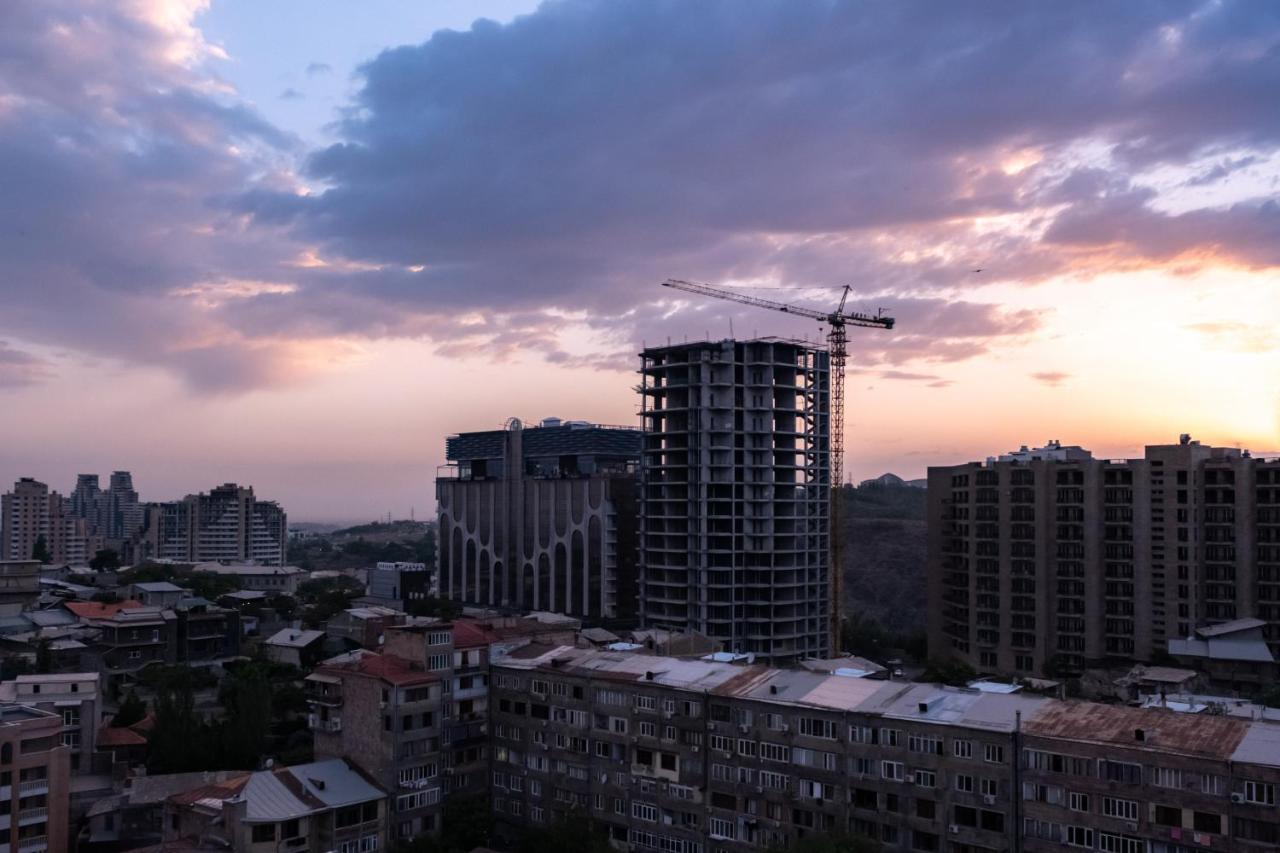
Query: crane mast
[[838, 353]]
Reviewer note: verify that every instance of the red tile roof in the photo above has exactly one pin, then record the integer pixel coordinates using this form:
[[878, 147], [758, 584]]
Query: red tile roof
[[468, 635], [389, 668], [108, 736], [100, 609]]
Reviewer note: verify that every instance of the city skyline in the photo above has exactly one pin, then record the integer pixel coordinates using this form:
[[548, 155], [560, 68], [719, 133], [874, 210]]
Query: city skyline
[[314, 236]]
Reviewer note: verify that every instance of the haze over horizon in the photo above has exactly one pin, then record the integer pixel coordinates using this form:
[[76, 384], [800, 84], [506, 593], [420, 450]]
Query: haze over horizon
[[295, 246]]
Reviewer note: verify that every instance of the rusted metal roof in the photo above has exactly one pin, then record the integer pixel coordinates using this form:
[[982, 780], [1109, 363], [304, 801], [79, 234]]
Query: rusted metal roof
[[1161, 730]]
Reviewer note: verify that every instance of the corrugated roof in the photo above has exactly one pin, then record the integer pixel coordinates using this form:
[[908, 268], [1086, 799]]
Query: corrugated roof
[[335, 783], [294, 638], [100, 609], [1191, 734]]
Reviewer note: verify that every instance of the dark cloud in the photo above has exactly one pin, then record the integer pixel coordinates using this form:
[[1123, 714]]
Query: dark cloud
[[1051, 377], [291, 94], [21, 368], [553, 170], [316, 68]]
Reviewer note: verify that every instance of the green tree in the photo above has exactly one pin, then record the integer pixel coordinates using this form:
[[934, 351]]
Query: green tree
[[326, 597], [132, 710], [178, 741], [246, 695], [44, 656], [11, 666], [576, 833], [953, 672], [830, 843], [105, 560], [467, 823], [40, 551]]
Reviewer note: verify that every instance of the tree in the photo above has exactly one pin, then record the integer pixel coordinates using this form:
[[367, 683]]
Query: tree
[[178, 741], [953, 672], [44, 656], [326, 597], [11, 666], [132, 710], [246, 694], [40, 551], [105, 560], [575, 833], [831, 843], [441, 608]]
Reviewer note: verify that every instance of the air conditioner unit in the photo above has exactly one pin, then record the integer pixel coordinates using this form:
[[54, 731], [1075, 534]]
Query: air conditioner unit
[[744, 728], [989, 799], [954, 829], [759, 790], [1131, 827], [1237, 798], [695, 749], [711, 727], [911, 778], [786, 727]]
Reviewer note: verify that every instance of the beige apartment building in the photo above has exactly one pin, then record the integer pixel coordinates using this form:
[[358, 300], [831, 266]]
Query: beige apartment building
[[31, 512], [34, 781], [1049, 561]]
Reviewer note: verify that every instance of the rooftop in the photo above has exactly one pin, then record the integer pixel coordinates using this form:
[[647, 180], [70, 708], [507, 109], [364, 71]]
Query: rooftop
[[1162, 729], [294, 638], [157, 586], [100, 609], [388, 668]]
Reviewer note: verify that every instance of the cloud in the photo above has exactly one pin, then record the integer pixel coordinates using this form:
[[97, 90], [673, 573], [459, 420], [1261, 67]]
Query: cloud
[[291, 94], [21, 368], [1053, 378], [1239, 337], [787, 143], [316, 68]]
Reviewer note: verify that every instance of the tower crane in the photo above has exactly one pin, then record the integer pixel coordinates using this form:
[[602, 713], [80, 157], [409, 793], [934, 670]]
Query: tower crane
[[837, 348]]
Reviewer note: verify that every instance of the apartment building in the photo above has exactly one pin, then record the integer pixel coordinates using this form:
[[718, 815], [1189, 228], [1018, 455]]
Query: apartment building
[[34, 781], [698, 756], [30, 514], [541, 518], [227, 525], [325, 805], [114, 514], [414, 717], [735, 482], [19, 585], [73, 696], [1127, 780], [401, 585], [1048, 559]]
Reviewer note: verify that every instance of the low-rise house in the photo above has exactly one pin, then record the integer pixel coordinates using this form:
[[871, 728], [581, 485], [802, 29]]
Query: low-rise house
[[134, 817], [363, 627], [325, 805], [156, 593], [270, 579], [295, 647], [207, 634]]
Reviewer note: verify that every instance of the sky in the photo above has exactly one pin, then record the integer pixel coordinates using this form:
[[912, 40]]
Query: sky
[[296, 244]]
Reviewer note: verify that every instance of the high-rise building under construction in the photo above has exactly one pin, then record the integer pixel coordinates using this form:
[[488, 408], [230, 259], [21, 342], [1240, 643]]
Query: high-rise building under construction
[[735, 479]]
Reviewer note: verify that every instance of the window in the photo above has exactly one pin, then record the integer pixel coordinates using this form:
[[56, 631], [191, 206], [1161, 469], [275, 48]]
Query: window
[[1122, 809], [1080, 836], [926, 779], [648, 728], [862, 734], [645, 812], [646, 703], [1122, 771], [746, 748], [891, 737], [1261, 793], [1110, 843], [962, 748], [891, 770], [263, 832], [721, 743], [539, 687], [928, 745], [963, 782], [991, 787], [993, 752], [774, 751], [1207, 822], [437, 662], [1078, 802], [1162, 777], [816, 727], [775, 781], [721, 829]]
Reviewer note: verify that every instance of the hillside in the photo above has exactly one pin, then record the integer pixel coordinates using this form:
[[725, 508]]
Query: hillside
[[883, 537]]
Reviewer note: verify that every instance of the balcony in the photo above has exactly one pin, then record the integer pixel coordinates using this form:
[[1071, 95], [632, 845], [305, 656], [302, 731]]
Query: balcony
[[32, 787], [34, 843], [30, 816], [333, 724]]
